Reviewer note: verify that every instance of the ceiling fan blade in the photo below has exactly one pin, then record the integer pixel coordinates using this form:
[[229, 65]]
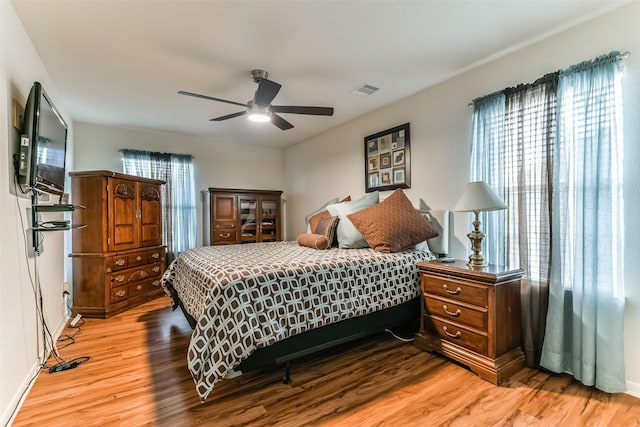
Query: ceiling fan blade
[[211, 98], [280, 122], [228, 116], [314, 111], [267, 90]]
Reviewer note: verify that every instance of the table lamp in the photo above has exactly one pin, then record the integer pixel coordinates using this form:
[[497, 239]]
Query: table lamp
[[478, 196]]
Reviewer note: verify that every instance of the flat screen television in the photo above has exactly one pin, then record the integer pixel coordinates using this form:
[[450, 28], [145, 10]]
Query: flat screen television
[[40, 161]]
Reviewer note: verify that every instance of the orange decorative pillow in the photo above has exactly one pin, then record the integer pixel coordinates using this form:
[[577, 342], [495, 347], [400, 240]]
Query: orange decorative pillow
[[313, 220], [315, 241], [392, 225]]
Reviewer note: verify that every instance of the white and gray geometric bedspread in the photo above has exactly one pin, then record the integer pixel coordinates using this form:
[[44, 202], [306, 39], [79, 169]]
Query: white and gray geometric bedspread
[[244, 297]]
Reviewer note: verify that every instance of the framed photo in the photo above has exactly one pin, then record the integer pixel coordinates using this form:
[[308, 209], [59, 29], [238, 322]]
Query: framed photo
[[387, 159]]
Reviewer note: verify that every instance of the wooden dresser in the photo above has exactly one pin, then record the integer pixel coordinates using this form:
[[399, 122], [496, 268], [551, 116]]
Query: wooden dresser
[[118, 258], [241, 216], [472, 316]]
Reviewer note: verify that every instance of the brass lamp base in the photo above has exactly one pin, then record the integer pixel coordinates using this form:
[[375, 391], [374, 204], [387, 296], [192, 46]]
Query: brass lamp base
[[476, 236]]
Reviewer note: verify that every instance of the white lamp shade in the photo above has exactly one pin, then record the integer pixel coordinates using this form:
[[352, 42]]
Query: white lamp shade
[[478, 196]]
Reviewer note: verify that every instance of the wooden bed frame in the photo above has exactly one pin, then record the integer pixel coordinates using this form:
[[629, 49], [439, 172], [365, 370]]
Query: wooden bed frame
[[309, 342]]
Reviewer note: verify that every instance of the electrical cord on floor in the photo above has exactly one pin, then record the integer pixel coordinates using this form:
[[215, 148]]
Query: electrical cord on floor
[[70, 364], [71, 337], [393, 334], [66, 337]]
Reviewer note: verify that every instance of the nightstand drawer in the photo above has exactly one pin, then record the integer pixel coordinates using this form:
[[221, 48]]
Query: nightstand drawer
[[459, 313], [455, 289], [458, 334]]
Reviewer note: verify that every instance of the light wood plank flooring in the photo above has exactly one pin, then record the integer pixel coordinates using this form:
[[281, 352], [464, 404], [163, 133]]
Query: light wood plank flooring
[[138, 376]]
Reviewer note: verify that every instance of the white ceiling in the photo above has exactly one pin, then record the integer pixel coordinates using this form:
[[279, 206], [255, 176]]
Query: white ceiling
[[121, 62]]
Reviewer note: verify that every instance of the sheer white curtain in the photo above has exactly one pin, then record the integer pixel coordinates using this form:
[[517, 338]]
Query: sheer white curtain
[[178, 194], [487, 164], [585, 322], [513, 157]]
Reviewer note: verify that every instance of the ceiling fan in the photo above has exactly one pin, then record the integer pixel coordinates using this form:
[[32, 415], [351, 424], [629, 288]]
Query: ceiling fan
[[260, 109]]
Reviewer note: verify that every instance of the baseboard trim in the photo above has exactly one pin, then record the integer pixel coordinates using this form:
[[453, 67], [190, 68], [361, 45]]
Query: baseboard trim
[[633, 389], [18, 399]]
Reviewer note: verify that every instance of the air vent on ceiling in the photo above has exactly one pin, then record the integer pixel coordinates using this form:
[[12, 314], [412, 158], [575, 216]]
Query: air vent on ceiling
[[365, 89]]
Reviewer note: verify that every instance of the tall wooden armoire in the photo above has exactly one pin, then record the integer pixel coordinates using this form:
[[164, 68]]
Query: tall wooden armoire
[[118, 258]]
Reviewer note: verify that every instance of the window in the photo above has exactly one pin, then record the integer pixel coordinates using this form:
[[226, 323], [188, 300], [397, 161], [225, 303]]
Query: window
[[178, 194], [553, 150]]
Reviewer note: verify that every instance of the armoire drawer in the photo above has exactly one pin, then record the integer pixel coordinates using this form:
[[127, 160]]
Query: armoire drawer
[[127, 260], [124, 277], [225, 236]]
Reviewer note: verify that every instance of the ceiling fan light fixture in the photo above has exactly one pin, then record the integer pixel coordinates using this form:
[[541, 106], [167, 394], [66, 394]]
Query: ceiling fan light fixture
[[260, 117], [258, 114]]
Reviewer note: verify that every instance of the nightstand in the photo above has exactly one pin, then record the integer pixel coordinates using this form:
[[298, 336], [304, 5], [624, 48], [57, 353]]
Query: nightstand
[[472, 316]]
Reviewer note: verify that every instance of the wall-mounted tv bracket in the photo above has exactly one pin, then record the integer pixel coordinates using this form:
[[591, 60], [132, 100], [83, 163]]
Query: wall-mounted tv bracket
[[38, 226]]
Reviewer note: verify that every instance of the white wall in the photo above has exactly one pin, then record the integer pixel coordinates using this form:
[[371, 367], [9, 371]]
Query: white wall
[[332, 164], [20, 334], [223, 165]]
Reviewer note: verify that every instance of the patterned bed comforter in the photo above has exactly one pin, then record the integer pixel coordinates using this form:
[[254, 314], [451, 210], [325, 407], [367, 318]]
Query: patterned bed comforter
[[244, 297]]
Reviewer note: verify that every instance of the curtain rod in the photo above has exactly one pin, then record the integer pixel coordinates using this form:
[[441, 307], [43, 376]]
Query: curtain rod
[[621, 56], [149, 151]]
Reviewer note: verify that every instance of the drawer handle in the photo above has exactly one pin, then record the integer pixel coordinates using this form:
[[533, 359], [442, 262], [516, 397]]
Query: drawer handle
[[121, 293], [156, 255], [447, 290], [224, 236], [119, 278], [156, 283], [450, 313], [139, 287], [156, 269], [449, 334], [138, 258], [120, 261]]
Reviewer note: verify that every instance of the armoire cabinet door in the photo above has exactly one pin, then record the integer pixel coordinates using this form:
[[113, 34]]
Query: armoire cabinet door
[[248, 207], [224, 206], [150, 215], [269, 224], [123, 208]]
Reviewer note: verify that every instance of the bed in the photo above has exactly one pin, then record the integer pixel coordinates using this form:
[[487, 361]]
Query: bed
[[257, 304]]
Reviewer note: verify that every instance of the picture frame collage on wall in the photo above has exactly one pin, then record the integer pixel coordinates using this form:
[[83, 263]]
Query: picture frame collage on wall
[[387, 159]]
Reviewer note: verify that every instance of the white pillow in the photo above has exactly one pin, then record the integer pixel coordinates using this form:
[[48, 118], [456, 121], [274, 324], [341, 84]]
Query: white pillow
[[422, 247], [348, 235]]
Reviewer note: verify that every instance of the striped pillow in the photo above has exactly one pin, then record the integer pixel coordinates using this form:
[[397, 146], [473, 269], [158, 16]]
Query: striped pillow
[[327, 228]]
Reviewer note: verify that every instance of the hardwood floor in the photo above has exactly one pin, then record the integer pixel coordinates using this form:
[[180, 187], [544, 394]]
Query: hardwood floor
[[137, 376]]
